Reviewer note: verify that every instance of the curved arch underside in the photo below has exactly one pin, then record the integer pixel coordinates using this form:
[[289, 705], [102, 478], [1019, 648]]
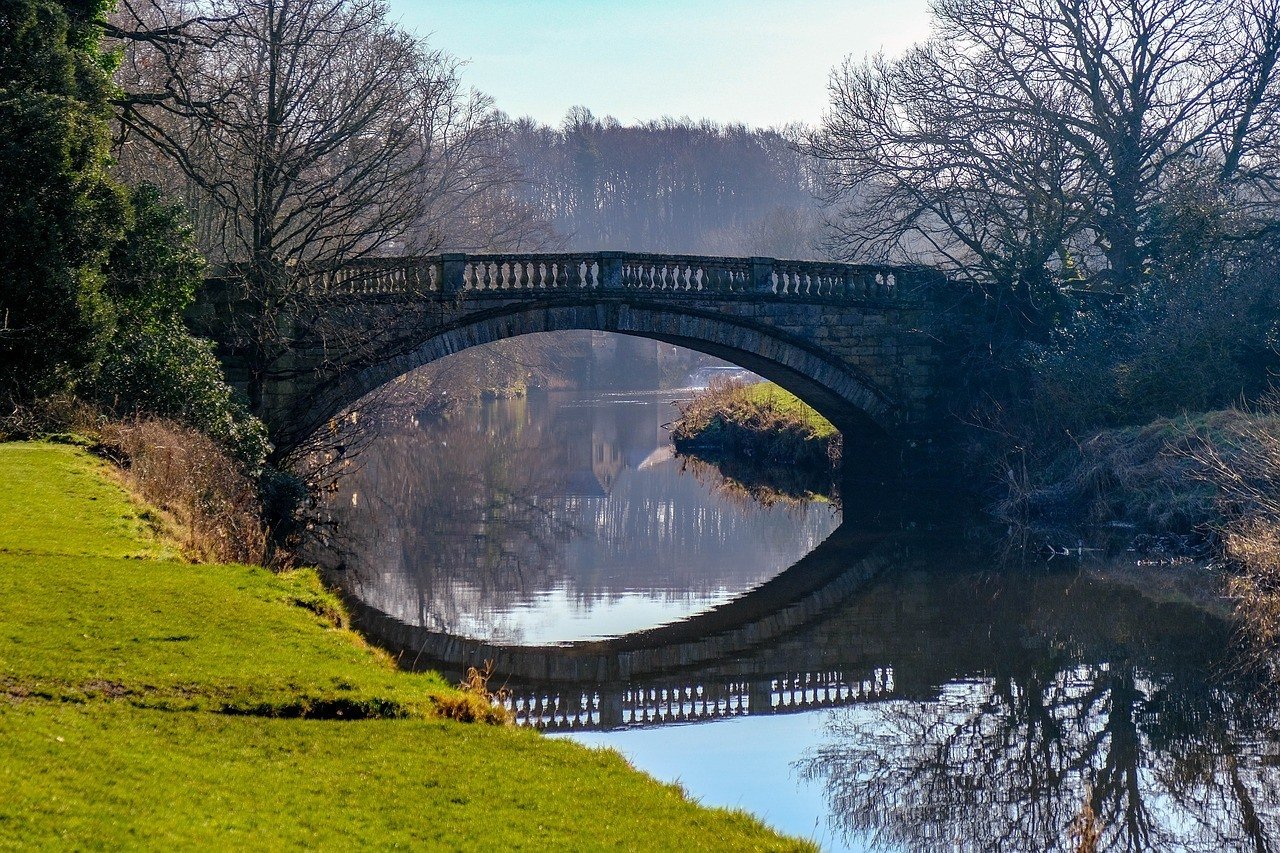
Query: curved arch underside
[[849, 399]]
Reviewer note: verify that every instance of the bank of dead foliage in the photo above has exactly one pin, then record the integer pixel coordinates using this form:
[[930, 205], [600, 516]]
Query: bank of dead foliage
[[216, 507], [213, 506], [1248, 486], [1165, 477]]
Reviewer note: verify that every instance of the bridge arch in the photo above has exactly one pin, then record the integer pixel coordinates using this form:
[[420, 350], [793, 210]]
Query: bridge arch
[[844, 394], [864, 345]]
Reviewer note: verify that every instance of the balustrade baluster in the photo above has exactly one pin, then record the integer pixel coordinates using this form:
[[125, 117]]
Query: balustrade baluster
[[714, 280]]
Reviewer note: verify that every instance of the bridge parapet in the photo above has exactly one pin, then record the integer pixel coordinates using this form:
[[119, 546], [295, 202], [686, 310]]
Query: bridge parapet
[[450, 275]]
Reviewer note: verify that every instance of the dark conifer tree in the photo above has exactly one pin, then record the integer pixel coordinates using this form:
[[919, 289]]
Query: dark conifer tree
[[60, 212]]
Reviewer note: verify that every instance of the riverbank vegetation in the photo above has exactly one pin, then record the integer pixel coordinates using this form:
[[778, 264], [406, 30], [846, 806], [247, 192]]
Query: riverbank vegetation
[[1167, 477], [761, 422], [147, 699], [1099, 180]]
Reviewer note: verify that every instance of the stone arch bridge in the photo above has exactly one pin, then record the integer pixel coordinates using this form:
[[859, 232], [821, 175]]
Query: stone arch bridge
[[862, 344]]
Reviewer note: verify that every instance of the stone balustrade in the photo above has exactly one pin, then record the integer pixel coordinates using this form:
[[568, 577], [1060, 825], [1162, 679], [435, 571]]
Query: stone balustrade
[[447, 275]]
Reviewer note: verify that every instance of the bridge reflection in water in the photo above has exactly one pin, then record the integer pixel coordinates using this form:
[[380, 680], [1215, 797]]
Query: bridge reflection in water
[[739, 658], [861, 619], [654, 705]]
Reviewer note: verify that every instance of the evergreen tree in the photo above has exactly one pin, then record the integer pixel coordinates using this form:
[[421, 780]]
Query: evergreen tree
[[154, 366], [60, 212]]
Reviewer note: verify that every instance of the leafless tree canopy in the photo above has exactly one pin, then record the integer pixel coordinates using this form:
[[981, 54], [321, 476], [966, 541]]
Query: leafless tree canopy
[[672, 185], [1040, 134], [303, 122], [305, 131]]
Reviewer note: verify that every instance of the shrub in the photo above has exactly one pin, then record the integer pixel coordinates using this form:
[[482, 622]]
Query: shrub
[[163, 371], [59, 210], [155, 367]]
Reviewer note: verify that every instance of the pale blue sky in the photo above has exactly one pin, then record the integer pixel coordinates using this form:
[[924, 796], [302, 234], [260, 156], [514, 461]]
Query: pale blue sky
[[762, 62]]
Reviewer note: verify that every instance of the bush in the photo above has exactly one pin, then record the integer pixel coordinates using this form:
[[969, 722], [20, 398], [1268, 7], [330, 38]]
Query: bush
[[59, 210], [155, 366], [164, 371]]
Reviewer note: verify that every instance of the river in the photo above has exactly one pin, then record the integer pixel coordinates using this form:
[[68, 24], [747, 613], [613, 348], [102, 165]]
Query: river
[[870, 679]]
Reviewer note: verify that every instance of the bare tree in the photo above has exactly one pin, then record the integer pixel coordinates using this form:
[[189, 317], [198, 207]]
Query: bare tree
[[1033, 132], [306, 124], [472, 188], [314, 131], [926, 166]]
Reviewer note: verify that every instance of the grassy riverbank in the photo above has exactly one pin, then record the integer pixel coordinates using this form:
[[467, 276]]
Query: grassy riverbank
[[149, 701], [761, 421]]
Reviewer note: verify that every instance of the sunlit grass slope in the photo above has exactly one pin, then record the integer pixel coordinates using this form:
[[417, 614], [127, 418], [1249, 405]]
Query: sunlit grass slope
[[148, 701], [775, 398]]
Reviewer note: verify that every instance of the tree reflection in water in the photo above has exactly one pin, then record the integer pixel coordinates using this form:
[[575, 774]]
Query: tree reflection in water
[[429, 509], [1006, 762]]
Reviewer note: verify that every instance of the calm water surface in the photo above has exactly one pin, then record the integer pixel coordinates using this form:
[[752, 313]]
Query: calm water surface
[[557, 518], [873, 685]]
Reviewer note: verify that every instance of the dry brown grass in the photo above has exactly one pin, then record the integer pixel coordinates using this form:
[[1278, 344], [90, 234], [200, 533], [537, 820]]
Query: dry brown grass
[[213, 507], [1253, 545], [1086, 828], [1173, 475], [1248, 485], [51, 417], [475, 702], [216, 508]]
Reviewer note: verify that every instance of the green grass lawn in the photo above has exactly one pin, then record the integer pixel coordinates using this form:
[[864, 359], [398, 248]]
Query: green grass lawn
[[145, 701], [761, 424]]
